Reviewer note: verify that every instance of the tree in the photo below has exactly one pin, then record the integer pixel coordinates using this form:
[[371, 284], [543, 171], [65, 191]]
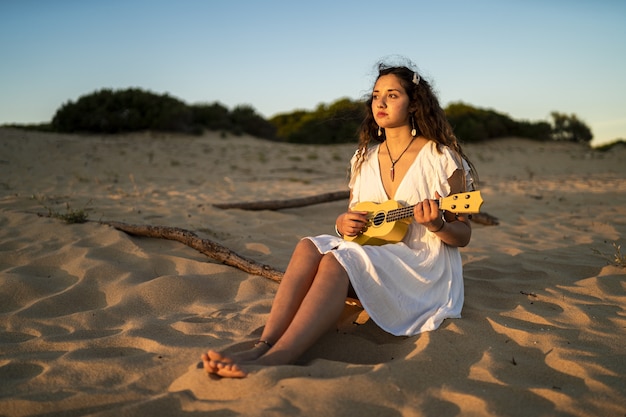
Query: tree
[[569, 128]]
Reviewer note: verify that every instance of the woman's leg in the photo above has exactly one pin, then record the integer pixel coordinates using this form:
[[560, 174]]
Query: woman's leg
[[295, 284], [318, 310]]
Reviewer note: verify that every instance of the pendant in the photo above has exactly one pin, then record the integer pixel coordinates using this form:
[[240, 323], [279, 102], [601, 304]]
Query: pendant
[[392, 173]]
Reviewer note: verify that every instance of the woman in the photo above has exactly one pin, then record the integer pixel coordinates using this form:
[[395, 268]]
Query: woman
[[407, 152]]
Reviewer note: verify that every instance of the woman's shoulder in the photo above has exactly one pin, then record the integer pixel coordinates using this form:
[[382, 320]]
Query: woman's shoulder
[[371, 150], [443, 159], [438, 151], [434, 150]]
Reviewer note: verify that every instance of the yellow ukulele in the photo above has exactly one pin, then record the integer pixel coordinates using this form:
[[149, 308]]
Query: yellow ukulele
[[388, 222]]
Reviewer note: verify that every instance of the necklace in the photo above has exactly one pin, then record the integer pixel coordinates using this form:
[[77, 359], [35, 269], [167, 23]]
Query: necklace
[[393, 163]]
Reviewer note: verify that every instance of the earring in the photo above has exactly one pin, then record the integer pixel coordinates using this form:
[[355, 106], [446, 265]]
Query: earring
[[380, 131], [413, 131]]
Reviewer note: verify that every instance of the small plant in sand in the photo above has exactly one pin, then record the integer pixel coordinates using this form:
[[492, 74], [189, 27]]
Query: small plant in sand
[[71, 216], [617, 259]]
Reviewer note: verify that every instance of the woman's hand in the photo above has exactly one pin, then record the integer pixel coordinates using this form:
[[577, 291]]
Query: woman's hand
[[352, 223], [427, 213], [454, 230]]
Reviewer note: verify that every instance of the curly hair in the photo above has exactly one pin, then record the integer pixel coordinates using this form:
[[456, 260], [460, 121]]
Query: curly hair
[[430, 119]]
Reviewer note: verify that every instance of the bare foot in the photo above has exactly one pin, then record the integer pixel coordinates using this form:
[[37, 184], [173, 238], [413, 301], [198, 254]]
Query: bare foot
[[228, 365], [217, 364], [230, 370]]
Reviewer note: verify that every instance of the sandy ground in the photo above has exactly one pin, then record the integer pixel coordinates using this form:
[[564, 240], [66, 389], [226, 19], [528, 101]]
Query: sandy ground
[[96, 322]]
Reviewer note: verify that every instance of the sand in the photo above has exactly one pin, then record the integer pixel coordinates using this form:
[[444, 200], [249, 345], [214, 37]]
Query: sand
[[96, 322]]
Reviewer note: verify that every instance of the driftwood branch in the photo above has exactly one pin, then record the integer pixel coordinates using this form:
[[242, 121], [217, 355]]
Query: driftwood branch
[[290, 203], [208, 247], [481, 218], [485, 218]]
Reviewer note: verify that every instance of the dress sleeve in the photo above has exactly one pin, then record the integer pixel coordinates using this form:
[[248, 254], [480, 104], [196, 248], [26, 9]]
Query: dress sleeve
[[450, 162]]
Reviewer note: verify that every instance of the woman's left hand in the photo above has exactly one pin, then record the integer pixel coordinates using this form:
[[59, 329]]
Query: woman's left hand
[[427, 213]]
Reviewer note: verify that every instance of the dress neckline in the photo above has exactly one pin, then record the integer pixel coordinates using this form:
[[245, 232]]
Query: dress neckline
[[409, 169]]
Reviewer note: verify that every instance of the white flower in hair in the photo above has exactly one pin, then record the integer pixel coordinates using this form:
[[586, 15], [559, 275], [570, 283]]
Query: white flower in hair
[[416, 78]]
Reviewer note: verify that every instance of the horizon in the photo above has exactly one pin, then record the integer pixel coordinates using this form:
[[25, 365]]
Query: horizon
[[522, 59]]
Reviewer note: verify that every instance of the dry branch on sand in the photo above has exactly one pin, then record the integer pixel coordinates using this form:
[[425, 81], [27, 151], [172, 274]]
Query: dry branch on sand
[[485, 218], [208, 247], [289, 203], [481, 218]]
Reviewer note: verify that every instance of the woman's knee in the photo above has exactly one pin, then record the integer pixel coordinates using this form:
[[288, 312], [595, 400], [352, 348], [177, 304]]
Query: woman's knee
[[305, 254], [331, 266], [306, 246]]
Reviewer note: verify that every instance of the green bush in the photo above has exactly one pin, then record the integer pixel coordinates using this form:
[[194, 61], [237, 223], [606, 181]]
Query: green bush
[[212, 116], [334, 123], [246, 120], [108, 111], [472, 124], [533, 130]]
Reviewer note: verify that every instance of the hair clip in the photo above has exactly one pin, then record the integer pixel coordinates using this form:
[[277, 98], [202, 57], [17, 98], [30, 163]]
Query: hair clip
[[416, 78]]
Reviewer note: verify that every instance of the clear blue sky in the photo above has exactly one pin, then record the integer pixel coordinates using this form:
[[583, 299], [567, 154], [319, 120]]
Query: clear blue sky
[[524, 58]]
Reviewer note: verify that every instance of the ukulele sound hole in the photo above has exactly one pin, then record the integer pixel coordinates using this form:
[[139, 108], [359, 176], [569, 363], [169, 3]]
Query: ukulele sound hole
[[378, 219]]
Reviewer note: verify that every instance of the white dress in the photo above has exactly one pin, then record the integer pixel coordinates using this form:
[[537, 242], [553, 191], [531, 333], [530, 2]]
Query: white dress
[[411, 286]]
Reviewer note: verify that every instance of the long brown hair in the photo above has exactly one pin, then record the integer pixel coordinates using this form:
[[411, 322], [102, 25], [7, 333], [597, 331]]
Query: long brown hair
[[429, 118]]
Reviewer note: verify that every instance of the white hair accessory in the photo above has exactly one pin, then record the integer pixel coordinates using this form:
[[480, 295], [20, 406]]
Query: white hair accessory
[[416, 78]]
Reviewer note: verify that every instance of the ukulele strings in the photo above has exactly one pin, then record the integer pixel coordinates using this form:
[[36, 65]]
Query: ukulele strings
[[400, 213]]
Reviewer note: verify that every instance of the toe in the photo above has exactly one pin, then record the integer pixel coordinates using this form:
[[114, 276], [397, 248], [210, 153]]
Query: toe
[[209, 365], [231, 370]]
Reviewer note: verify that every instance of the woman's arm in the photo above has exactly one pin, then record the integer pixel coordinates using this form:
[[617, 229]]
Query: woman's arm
[[456, 229]]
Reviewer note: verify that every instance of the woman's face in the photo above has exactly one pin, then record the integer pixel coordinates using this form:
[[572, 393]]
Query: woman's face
[[390, 103]]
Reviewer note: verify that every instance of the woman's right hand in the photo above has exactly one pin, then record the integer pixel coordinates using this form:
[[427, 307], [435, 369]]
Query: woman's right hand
[[352, 223]]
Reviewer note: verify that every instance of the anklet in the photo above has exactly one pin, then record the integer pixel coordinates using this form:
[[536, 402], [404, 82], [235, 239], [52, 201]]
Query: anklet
[[264, 342]]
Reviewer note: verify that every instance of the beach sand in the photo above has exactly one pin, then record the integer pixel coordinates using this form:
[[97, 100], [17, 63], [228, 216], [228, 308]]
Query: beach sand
[[96, 322]]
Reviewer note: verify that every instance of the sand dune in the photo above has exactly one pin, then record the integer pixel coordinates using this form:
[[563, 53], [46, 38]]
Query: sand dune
[[97, 322]]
